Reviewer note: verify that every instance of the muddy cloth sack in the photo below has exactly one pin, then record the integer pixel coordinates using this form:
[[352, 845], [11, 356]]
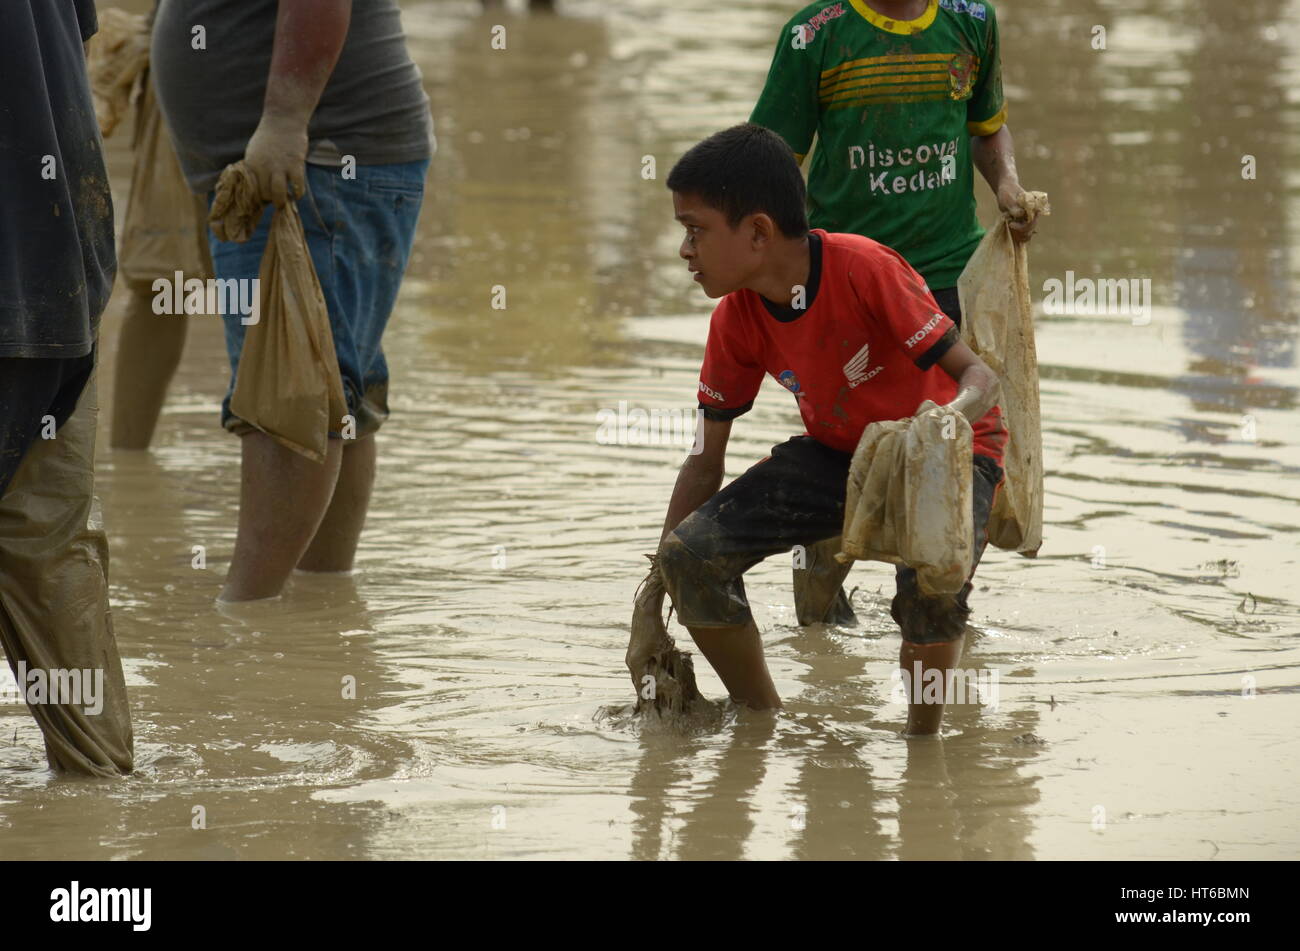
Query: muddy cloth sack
[[117, 56], [998, 324], [166, 224], [662, 675], [908, 498], [287, 383]]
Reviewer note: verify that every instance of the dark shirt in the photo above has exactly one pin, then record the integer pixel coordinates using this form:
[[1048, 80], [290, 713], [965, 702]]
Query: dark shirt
[[56, 212], [373, 106]]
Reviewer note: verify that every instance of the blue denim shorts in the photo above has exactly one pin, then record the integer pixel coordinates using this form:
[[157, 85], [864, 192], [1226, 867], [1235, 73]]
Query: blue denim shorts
[[359, 232]]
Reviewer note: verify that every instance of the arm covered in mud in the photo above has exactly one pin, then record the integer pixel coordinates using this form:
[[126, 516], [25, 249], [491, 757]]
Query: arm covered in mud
[[995, 156], [978, 387], [701, 475], [309, 36]]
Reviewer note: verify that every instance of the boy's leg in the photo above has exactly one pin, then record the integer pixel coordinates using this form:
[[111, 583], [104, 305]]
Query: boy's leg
[[934, 627], [795, 497], [148, 352]]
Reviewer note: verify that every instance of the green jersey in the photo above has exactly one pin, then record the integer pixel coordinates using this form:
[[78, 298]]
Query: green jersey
[[893, 104]]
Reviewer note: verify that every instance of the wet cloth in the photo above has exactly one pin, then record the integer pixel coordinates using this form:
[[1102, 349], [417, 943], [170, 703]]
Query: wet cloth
[[908, 498], [359, 234], [117, 58], [796, 497], [373, 107], [865, 347], [54, 613], [999, 328], [662, 675], [287, 380], [56, 216], [166, 225]]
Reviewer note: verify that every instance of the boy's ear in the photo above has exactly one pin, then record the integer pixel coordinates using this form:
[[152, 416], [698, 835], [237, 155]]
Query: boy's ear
[[762, 229]]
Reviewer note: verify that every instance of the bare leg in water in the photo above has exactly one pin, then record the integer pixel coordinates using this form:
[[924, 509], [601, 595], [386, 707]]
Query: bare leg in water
[[335, 544], [924, 719], [297, 513], [736, 653], [148, 352]]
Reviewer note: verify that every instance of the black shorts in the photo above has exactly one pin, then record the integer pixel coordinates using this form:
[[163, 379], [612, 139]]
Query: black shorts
[[796, 497]]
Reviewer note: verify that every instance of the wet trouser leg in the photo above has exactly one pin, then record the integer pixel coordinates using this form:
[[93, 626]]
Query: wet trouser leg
[[54, 613]]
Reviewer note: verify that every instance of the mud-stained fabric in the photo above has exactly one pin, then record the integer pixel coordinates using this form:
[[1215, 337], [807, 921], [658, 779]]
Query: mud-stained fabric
[[818, 578], [907, 501], [662, 676], [116, 60], [54, 613], [287, 382], [999, 328], [166, 223], [796, 497]]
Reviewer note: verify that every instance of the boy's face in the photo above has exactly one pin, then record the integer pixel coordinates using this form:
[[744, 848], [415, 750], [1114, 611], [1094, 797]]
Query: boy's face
[[722, 258]]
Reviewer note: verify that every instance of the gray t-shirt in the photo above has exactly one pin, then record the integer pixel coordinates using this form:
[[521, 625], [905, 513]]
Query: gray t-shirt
[[373, 108]]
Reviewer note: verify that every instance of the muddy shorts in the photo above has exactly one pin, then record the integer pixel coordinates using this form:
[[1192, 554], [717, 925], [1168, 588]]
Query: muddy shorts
[[359, 232], [796, 497]]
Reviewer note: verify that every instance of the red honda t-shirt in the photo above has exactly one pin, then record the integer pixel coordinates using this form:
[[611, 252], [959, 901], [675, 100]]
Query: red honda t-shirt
[[864, 348]]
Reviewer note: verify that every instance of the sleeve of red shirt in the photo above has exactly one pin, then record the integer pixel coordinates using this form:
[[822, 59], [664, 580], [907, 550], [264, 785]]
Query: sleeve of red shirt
[[731, 375], [898, 297]]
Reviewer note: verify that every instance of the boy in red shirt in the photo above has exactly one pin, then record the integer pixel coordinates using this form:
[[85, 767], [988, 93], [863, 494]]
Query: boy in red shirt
[[849, 328]]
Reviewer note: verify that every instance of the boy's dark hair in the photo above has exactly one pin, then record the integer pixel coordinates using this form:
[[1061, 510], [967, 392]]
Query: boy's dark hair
[[744, 170]]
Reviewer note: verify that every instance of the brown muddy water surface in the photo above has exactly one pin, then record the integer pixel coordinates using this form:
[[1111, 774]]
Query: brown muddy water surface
[[486, 624]]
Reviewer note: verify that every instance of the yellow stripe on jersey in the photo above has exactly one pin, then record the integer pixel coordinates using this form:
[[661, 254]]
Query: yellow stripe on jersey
[[988, 126], [897, 59], [864, 80], [938, 94], [852, 87], [877, 73]]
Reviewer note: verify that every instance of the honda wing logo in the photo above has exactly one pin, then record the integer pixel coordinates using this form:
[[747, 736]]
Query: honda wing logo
[[856, 368]]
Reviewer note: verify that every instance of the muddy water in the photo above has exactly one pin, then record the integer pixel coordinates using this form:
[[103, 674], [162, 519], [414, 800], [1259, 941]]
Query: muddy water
[[486, 624]]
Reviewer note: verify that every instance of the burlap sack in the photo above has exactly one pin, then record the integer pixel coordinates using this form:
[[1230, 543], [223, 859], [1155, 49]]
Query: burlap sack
[[166, 224], [998, 325], [115, 59], [908, 498], [287, 383], [662, 675]]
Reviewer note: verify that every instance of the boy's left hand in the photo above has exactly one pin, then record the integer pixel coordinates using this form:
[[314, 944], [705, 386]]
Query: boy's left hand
[[1011, 201]]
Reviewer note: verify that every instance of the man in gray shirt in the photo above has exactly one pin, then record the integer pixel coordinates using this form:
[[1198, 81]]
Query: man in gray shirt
[[323, 103]]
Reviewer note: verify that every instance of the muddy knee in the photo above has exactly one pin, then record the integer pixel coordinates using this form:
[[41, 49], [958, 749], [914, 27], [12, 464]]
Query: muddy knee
[[675, 564]]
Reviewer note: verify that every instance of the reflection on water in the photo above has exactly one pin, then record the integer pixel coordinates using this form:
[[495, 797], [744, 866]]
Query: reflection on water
[[442, 703]]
